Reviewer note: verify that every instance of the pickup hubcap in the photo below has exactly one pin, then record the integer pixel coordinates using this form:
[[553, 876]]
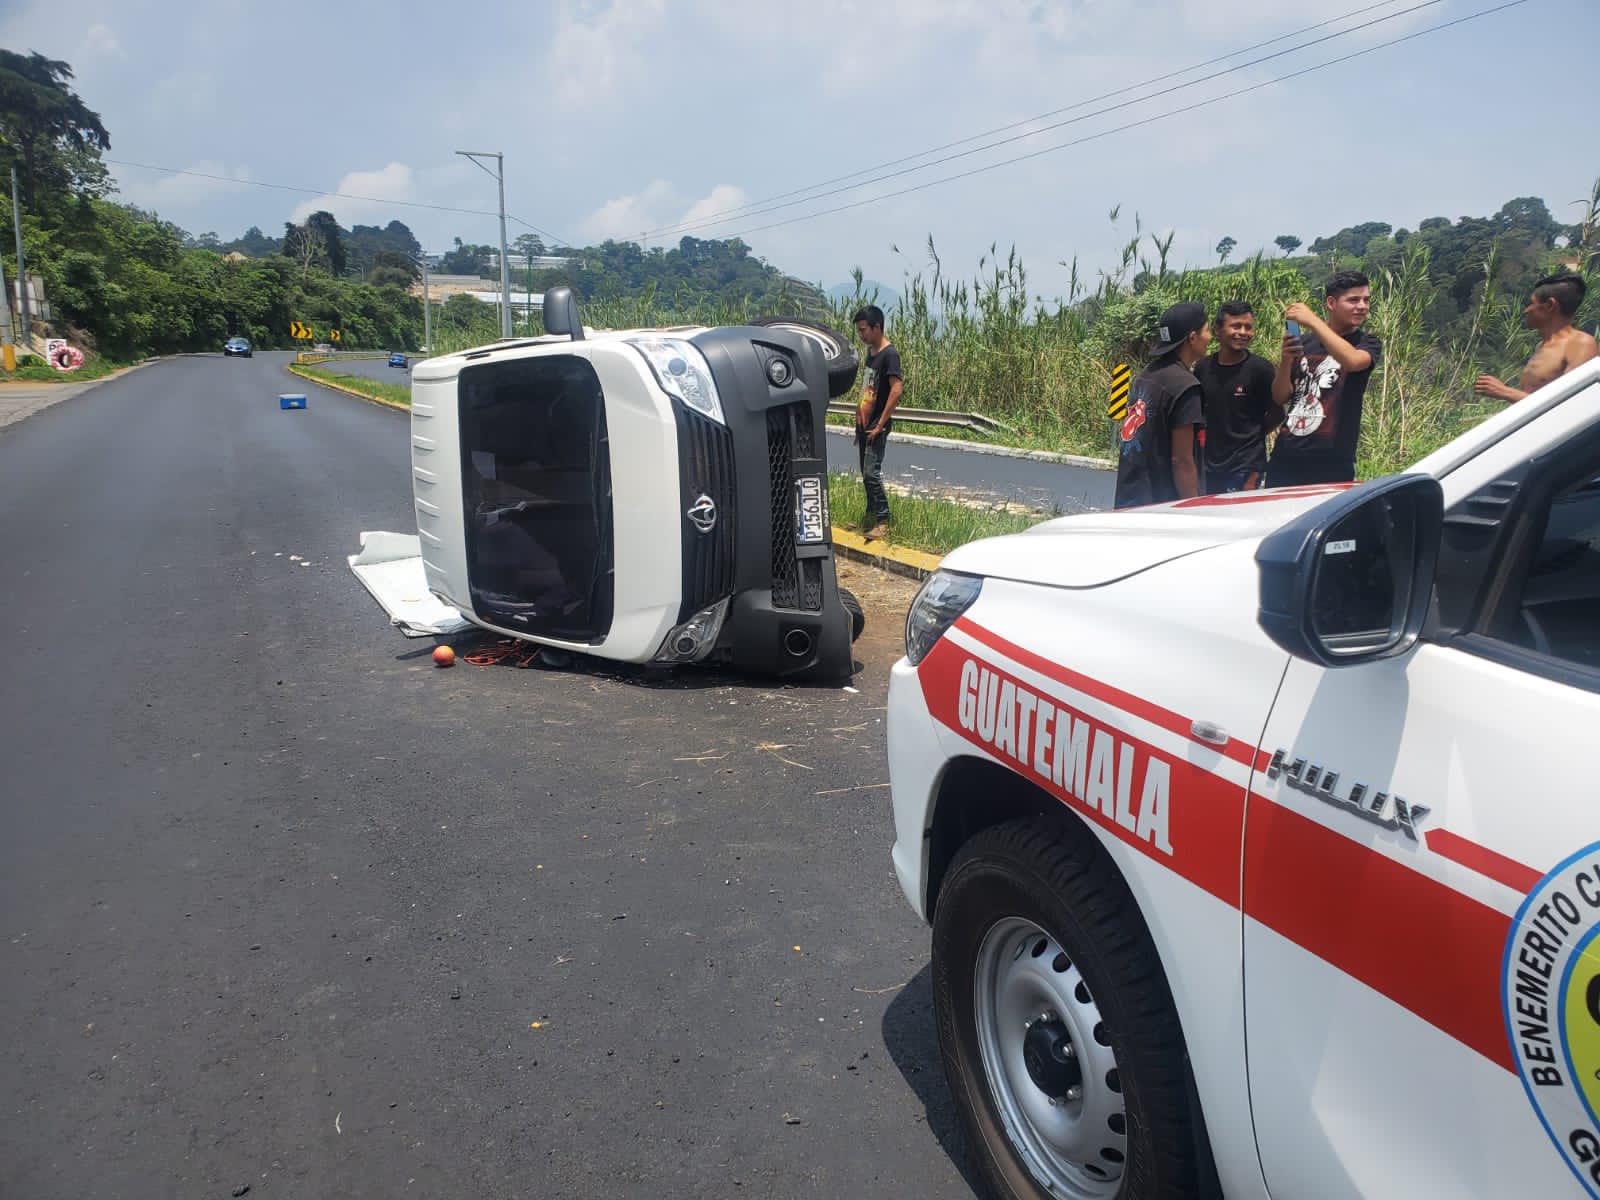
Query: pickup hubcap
[[1048, 1059]]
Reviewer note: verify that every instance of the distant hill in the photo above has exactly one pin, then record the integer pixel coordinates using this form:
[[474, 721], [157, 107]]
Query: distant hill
[[888, 296]]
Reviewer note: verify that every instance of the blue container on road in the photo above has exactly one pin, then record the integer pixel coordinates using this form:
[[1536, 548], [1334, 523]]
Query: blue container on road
[[291, 401]]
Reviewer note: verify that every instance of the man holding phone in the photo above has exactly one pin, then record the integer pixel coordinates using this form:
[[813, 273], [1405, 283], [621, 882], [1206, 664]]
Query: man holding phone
[[1320, 382]]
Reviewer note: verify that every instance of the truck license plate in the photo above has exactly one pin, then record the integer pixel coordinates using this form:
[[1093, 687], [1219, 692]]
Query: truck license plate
[[810, 510]]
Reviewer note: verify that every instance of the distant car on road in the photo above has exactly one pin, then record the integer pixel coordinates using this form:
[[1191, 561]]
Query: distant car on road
[[236, 347], [322, 348], [397, 359]]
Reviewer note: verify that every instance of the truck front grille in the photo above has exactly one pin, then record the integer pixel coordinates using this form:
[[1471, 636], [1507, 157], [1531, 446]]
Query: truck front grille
[[705, 457], [796, 583]]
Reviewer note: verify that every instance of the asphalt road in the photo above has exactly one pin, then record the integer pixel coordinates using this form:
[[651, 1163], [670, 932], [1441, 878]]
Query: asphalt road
[[288, 908], [966, 474]]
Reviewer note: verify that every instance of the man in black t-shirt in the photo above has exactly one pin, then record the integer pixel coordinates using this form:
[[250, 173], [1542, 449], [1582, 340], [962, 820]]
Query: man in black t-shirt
[[880, 393], [1238, 401], [1163, 435], [1320, 381]]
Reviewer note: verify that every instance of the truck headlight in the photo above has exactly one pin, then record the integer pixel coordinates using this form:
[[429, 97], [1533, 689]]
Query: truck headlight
[[682, 371], [693, 640], [942, 599]]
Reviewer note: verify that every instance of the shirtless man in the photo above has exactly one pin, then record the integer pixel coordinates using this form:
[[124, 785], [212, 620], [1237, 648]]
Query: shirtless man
[[1561, 347]]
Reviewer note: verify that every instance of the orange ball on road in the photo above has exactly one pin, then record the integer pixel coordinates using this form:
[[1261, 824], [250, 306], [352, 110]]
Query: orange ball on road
[[443, 656]]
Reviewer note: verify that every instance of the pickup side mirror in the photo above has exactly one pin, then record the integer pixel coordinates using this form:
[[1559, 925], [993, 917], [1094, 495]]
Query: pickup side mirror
[[1351, 580], [561, 313]]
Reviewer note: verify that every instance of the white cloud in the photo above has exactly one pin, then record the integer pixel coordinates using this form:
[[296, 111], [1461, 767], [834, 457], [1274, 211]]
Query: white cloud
[[99, 39], [172, 192], [660, 206], [629, 216], [600, 52], [718, 200], [375, 189]]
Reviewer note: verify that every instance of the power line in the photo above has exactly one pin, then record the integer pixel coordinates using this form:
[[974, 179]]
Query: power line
[[744, 209], [765, 207], [289, 187], [1255, 87]]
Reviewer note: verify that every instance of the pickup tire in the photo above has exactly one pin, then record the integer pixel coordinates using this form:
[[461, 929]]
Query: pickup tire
[[1056, 1025], [836, 351], [858, 618]]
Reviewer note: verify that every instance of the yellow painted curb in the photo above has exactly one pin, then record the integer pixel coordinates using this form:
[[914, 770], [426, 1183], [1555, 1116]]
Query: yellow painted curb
[[349, 391], [915, 564]]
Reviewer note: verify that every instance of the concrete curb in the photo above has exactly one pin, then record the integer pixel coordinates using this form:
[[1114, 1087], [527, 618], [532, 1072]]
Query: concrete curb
[[48, 394], [919, 439], [349, 391], [897, 560]]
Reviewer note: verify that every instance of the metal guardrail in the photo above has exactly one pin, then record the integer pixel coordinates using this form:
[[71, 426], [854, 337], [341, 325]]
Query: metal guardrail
[[935, 416]]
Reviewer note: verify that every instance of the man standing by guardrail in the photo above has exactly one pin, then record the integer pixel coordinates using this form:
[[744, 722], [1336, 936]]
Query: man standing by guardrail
[[880, 393]]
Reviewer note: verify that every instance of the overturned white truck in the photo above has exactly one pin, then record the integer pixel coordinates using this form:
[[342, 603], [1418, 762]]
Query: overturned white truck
[[644, 496]]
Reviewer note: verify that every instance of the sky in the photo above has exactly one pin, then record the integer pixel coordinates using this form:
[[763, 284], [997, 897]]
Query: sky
[[651, 119]]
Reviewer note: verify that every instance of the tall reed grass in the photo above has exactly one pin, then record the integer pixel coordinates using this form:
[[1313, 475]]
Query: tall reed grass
[[987, 343]]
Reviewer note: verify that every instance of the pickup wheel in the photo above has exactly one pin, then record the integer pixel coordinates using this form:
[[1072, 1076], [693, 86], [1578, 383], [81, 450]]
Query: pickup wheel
[[836, 351], [1057, 1030], [858, 618]]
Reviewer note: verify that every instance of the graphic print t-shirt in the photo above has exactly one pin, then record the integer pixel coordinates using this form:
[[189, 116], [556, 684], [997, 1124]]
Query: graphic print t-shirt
[[1322, 421], [1238, 399], [1164, 397], [882, 367]]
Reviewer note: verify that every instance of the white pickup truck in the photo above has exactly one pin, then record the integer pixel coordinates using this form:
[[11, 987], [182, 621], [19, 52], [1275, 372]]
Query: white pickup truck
[[1260, 834]]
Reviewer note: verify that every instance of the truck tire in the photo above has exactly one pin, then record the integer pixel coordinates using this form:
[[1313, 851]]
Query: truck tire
[[858, 619], [836, 351], [1056, 1026]]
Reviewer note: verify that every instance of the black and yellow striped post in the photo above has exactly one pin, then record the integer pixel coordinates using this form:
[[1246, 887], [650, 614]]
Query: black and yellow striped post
[[1121, 380], [1117, 403]]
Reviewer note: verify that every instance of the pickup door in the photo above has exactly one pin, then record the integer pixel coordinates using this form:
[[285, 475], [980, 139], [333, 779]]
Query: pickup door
[[1430, 826]]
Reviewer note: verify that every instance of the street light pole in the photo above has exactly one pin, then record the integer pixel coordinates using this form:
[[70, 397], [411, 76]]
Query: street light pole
[[22, 269], [499, 174]]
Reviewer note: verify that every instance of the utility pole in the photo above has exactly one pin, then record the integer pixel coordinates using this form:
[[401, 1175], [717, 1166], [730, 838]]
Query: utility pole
[[22, 269], [8, 352], [427, 309], [499, 174]]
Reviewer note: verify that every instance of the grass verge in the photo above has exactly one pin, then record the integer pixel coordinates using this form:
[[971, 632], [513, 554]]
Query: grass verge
[[934, 526], [377, 389], [36, 370]]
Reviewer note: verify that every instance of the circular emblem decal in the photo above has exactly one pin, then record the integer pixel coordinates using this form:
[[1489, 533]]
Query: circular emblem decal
[[1551, 987]]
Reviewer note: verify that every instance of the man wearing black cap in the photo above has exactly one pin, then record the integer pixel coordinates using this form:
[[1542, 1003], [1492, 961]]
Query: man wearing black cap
[[1163, 435]]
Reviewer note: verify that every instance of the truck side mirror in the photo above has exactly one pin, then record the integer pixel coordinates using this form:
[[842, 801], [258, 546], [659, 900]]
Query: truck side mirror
[[561, 313], [1351, 580]]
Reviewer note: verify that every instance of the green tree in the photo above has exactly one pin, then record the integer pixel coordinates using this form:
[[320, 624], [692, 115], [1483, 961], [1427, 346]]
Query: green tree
[[1287, 243], [390, 268], [1225, 248], [50, 135], [332, 240]]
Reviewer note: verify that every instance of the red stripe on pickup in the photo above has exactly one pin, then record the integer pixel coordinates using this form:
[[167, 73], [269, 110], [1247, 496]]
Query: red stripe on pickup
[[1203, 822], [1240, 752], [1426, 946], [1483, 860]]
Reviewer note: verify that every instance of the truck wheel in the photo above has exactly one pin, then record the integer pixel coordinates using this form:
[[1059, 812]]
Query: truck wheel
[[836, 351], [1056, 1026], [858, 619]]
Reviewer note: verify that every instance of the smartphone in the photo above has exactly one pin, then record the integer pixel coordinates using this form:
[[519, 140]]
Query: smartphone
[[1292, 328]]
